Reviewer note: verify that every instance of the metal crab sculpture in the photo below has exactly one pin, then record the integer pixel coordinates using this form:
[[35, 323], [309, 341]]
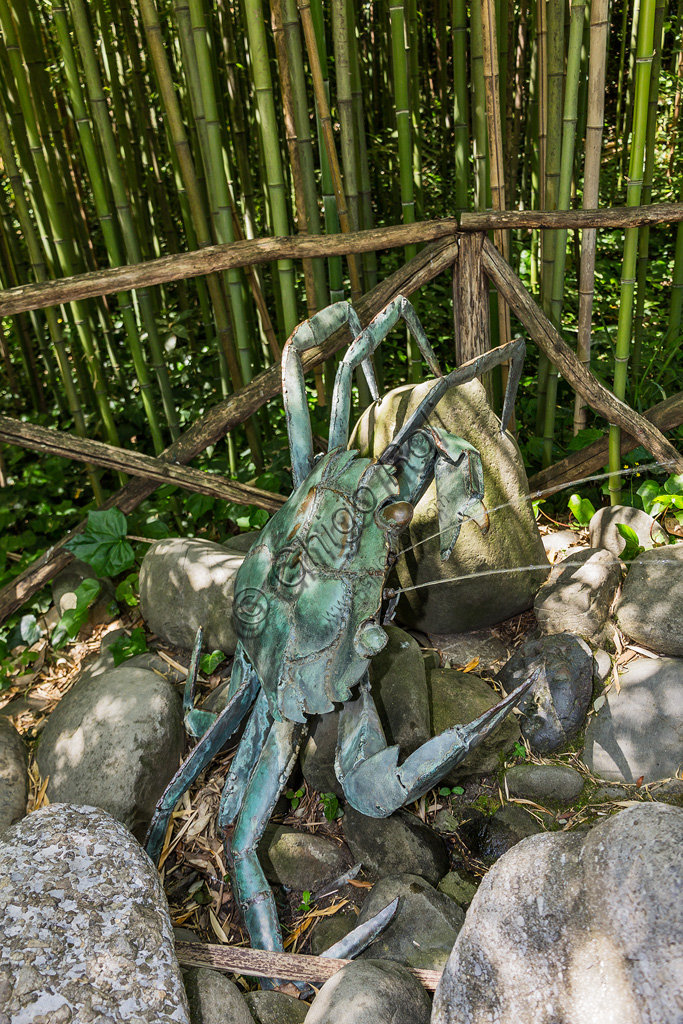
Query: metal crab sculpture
[[309, 602]]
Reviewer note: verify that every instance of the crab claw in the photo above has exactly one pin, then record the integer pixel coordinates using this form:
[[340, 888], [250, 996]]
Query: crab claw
[[459, 487]]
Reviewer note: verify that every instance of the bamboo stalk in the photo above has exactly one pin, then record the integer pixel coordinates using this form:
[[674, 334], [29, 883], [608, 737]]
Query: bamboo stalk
[[460, 106], [633, 192], [595, 119]]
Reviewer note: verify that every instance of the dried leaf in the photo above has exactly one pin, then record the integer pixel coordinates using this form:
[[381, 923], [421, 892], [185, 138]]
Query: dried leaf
[[639, 782], [215, 924], [360, 885], [471, 665]]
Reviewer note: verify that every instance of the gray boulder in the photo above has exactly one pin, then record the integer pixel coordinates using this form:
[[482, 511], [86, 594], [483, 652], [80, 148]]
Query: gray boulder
[[66, 583], [489, 836], [214, 999], [424, 928], [457, 888], [639, 731], [458, 649], [300, 860], [603, 532], [329, 930], [650, 609], [114, 740], [513, 541], [13, 775], [187, 583], [242, 542], [457, 698], [578, 594], [400, 843], [399, 689], [85, 933], [545, 782], [371, 992], [555, 707], [576, 927], [268, 1007]]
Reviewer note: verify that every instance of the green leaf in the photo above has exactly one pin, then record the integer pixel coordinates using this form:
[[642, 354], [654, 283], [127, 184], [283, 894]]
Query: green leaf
[[674, 485], [444, 791], [72, 619], [581, 508], [632, 546], [127, 590], [128, 646], [648, 491], [102, 544], [25, 633], [209, 662], [457, 790]]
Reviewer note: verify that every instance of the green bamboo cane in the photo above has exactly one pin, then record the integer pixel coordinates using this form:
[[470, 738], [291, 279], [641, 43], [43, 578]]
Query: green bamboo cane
[[219, 195], [236, 109], [268, 131], [37, 259], [676, 307], [340, 35], [479, 135], [62, 240], [461, 141], [517, 107], [414, 91], [124, 212], [628, 101], [570, 115], [621, 73], [8, 279], [643, 63], [595, 119], [331, 217], [366, 214], [107, 218], [646, 195]]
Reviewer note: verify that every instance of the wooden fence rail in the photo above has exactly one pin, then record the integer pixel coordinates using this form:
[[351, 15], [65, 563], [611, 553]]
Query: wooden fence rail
[[212, 258]]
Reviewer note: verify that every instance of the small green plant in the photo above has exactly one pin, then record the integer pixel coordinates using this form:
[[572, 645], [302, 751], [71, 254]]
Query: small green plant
[[331, 808], [632, 547], [128, 646], [127, 591], [103, 544], [519, 750], [452, 791], [209, 662], [581, 508], [659, 498], [305, 906], [294, 797], [72, 619]]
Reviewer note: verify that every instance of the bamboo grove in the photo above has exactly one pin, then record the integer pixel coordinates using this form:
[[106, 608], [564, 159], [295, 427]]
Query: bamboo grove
[[129, 130]]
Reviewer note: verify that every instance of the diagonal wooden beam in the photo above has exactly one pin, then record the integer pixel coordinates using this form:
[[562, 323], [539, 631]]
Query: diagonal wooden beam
[[575, 373], [69, 446]]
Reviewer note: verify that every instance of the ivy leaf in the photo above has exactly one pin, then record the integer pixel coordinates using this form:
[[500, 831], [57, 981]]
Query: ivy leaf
[[648, 491], [103, 543], [25, 633], [208, 662], [72, 619], [581, 508], [632, 547], [128, 646], [127, 590]]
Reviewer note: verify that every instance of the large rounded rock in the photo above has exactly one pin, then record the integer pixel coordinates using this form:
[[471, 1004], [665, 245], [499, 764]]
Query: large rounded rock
[[269, 1007], [542, 782], [578, 595], [371, 992], [389, 846], [300, 860], [638, 732], [214, 999], [187, 583], [513, 541], [85, 933], [424, 928], [489, 836], [575, 928], [555, 707], [115, 741], [457, 698], [650, 609], [603, 529], [13, 775], [399, 689]]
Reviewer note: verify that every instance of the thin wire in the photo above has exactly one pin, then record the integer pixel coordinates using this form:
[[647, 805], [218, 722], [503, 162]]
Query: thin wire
[[643, 467]]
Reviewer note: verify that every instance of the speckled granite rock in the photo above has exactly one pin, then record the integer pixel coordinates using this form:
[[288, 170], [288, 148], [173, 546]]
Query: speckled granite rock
[[85, 935], [13, 775], [576, 927]]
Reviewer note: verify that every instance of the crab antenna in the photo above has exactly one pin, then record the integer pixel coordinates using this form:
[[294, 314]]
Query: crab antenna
[[513, 350], [307, 335]]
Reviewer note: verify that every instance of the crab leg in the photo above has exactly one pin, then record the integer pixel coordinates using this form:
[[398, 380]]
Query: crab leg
[[244, 691], [361, 349], [373, 781], [307, 335]]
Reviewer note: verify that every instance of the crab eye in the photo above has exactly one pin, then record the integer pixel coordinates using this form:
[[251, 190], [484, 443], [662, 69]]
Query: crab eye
[[395, 516]]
